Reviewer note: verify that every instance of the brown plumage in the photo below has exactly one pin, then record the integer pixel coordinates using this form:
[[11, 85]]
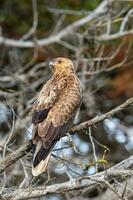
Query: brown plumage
[[54, 111]]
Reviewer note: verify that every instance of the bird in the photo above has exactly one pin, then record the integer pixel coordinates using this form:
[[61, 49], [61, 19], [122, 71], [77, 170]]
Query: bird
[[53, 111]]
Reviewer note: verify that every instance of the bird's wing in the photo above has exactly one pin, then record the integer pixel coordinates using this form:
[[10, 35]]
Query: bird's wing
[[61, 114], [44, 102]]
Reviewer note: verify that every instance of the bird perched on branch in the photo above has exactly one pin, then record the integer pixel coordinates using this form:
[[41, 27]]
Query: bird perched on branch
[[54, 111]]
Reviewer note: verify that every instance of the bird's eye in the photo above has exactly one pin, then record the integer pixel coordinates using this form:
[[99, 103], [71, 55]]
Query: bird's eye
[[59, 61]]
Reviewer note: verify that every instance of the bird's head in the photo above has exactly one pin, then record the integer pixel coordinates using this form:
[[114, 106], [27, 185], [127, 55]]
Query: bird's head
[[61, 64]]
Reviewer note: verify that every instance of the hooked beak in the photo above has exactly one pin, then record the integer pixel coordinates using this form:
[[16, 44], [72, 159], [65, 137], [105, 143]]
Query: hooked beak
[[51, 64]]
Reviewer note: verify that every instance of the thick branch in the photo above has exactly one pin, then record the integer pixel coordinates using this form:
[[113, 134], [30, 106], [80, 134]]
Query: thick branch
[[102, 117], [13, 157], [90, 182]]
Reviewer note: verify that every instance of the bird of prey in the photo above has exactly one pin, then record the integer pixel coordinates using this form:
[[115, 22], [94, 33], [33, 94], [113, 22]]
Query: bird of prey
[[53, 111]]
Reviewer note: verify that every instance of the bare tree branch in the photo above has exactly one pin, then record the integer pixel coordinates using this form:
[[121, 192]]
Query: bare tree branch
[[118, 35], [119, 171], [102, 117], [100, 10], [16, 155], [35, 22], [13, 157]]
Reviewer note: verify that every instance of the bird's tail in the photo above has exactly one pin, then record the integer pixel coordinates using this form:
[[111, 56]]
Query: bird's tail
[[41, 156]]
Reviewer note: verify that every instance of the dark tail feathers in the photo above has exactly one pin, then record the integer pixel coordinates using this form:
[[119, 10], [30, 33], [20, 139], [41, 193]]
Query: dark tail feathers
[[41, 157]]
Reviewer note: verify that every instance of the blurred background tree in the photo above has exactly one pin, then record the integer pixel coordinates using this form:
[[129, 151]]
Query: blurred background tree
[[97, 35]]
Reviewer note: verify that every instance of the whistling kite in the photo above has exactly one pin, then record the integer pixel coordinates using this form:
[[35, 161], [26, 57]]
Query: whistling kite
[[54, 111]]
